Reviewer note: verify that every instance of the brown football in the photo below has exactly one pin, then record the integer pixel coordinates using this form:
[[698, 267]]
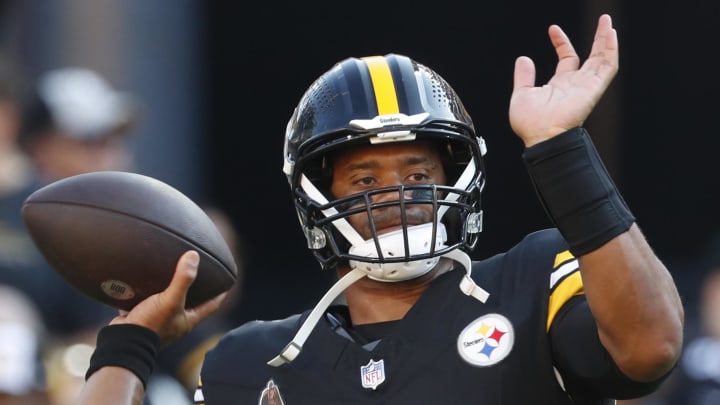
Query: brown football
[[117, 236]]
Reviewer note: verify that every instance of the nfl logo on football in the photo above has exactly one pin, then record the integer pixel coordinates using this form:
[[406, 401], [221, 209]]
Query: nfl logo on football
[[372, 374]]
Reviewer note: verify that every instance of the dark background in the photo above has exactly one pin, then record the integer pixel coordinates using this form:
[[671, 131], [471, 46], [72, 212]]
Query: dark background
[[655, 128]]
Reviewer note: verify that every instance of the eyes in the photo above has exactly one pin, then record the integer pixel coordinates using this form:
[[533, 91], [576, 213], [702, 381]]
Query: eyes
[[389, 165], [372, 180]]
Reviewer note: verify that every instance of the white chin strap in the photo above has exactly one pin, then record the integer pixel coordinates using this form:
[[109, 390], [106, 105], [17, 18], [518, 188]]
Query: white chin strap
[[392, 245]]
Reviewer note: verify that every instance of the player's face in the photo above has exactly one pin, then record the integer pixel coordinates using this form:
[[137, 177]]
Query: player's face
[[373, 166]]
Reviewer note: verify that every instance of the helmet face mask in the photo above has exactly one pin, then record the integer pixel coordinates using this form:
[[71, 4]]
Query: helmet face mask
[[380, 100]]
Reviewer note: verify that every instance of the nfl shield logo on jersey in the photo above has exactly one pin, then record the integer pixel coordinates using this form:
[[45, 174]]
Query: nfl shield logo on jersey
[[372, 374]]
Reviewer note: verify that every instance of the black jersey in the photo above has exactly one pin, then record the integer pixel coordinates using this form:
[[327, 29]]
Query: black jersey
[[532, 342]]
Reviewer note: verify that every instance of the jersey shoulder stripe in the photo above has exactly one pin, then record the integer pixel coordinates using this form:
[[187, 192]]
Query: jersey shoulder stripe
[[565, 283]]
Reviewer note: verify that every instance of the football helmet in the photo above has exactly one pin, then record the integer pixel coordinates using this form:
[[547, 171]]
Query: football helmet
[[376, 100], [381, 99]]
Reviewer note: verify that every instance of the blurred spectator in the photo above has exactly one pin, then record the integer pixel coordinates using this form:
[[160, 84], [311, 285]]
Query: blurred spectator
[[76, 123], [696, 380], [72, 122], [22, 329], [15, 168], [22, 345]]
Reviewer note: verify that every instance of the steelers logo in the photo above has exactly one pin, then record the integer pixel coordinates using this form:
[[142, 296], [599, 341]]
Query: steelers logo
[[486, 340]]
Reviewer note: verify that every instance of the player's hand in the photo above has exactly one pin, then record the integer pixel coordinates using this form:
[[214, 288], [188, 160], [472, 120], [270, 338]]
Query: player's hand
[[539, 113], [165, 312]]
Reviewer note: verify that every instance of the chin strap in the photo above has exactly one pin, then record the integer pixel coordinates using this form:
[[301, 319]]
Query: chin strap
[[292, 350], [467, 284]]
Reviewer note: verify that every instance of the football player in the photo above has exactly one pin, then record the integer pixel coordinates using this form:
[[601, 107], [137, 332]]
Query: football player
[[386, 171]]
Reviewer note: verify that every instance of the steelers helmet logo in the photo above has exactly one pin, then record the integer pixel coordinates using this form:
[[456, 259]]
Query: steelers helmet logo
[[486, 341]]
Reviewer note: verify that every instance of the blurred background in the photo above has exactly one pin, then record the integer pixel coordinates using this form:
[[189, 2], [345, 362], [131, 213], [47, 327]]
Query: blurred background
[[217, 81]]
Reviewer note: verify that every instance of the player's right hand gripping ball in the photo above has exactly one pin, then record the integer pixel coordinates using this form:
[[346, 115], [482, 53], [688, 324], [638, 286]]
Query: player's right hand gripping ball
[[117, 237]]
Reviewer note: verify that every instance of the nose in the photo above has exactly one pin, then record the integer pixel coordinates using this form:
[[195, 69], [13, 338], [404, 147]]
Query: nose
[[407, 194]]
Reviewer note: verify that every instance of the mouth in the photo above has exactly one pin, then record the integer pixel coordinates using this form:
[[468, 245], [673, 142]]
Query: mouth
[[388, 227], [391, 220]]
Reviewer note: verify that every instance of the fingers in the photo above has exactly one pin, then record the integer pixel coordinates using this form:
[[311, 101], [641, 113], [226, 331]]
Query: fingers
[[568, 60], [604, 53], [524, 73], [605, 36], [185, 273]]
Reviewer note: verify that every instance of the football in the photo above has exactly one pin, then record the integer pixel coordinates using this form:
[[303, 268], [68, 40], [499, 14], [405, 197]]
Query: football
[[117, 236]]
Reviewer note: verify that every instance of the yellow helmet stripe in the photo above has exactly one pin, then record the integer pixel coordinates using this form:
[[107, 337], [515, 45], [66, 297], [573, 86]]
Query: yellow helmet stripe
[[383, 84]]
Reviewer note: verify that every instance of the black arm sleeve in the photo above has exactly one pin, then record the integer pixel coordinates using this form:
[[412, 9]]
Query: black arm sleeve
[[585, 366]]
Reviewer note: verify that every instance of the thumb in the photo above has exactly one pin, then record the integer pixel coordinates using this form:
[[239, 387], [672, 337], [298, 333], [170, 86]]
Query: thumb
[[185, 273], [524, 73]]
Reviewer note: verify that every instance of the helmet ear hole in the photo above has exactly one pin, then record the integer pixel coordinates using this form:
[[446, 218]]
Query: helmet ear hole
[[319, 171], [453, 224], [455, 158]]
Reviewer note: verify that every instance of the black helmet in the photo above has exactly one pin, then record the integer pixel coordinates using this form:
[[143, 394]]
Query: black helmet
[[382, 99]]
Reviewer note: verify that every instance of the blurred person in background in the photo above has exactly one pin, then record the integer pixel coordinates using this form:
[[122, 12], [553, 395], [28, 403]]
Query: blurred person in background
[[15, 169], [22, 344], [23, 312], [73, 122], [70, 121], [696, 380], [76, 123]]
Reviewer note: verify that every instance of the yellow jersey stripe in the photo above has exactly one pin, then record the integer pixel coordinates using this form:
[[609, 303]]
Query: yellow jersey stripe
[[561, 258], [566, 289], [383, 84]]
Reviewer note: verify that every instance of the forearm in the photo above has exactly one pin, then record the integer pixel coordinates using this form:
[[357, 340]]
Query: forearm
[[112, 385], [636, 305], [630, 292]]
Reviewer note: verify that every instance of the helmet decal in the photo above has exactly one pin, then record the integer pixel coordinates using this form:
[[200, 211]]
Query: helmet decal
[[383, 85]]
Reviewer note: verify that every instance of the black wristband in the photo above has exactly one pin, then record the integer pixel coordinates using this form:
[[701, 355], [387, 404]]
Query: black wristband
[[129, 346], [576, 190]]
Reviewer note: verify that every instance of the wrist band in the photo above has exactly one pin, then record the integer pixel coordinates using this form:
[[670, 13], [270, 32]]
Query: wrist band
[[129, 346], [576, 190]]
